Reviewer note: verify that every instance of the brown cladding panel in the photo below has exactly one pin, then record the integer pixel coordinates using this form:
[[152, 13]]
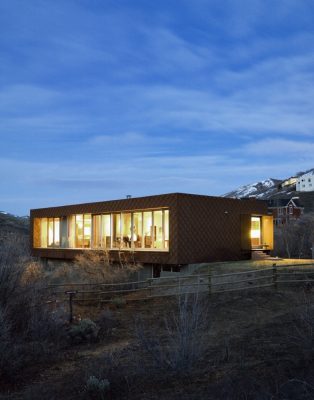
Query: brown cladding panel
[[149, 257], [132, 204], [245, 231], [209, 228]]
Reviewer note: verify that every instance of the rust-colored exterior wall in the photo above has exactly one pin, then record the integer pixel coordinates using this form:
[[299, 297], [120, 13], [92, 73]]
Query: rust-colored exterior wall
[[201, 228], [212, 229]]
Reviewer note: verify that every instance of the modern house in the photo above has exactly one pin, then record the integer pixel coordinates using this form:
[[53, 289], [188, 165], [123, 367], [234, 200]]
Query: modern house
[[164, 230]]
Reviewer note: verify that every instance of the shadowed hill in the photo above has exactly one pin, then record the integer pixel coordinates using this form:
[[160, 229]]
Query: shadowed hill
[[11, 224]]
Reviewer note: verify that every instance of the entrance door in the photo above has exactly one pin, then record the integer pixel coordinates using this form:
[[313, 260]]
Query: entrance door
[[256, 232]]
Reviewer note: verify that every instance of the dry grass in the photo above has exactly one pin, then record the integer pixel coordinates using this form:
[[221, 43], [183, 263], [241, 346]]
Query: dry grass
[[241, 266], [248, 352], [254, 345]]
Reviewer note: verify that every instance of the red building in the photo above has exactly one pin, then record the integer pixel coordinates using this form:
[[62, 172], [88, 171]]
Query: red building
[[285, 210]]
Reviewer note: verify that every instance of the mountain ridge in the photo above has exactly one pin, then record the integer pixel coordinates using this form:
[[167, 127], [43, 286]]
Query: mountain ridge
[[267, 189], [10, 224]]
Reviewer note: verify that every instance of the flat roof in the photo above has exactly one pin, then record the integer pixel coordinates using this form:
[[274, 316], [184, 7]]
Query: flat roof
[[148, 197]]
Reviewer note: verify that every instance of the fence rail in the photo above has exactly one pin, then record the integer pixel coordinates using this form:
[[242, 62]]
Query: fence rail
[[209, 282]]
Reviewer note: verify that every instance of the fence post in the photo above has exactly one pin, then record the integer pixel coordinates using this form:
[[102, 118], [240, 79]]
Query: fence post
[[71, 294], [275, 276], [209, 281], [150, 287]]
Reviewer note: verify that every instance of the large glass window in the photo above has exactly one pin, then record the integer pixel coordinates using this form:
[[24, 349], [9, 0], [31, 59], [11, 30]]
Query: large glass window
[[87, 230], [71, 231], [166, 228], [106, 231], [256, 231], [126, 230], [50, 232], [116, 231], [158, 231], [64, 232], [97, 236], [56, 232], [47, 232], [79, 233], [43, 232], [148, 229], [137, 231], [83, 225]]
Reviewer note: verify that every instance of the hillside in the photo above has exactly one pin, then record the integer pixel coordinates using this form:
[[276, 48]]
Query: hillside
[[255, 344], [262, 190], [271, 189], [13, 224]]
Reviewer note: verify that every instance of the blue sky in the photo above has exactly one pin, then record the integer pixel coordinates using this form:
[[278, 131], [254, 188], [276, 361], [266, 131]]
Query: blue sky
[[104, 98]]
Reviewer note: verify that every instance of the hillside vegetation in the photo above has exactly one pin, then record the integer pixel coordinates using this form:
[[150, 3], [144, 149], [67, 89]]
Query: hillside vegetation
[[12, 224], [254, 344]]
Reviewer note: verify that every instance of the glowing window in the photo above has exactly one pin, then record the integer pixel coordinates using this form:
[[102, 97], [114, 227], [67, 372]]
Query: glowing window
[[87, 230], [116, 231], [147, 228], [137, 232], [158, 230]]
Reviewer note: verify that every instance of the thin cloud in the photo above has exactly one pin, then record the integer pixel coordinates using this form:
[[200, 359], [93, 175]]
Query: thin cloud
[[132, 138], [273, 147], [101, 100]]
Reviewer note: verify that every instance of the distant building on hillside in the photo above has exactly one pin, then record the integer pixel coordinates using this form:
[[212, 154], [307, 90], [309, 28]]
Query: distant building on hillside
[[305, 183], [285, 210], [288, 183]]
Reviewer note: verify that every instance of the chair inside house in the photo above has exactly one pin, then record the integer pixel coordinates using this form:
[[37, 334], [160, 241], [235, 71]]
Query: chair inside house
[[148, 241], [138, 241]]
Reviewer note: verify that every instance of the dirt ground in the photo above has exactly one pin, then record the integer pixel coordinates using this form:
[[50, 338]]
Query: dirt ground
[[255, 344]]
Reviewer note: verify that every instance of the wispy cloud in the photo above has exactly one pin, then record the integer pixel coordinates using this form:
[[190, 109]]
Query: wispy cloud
[[280, 147], [102, 99]]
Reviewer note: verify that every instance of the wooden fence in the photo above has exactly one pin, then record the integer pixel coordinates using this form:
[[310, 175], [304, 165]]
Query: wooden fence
[[210, 282]]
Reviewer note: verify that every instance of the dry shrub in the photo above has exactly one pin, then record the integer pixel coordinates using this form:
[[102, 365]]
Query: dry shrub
[[13, 254], [32, 272], [302, 334], [294, 239], [27, 325], [96, 266], [184, 341], [85, 331]]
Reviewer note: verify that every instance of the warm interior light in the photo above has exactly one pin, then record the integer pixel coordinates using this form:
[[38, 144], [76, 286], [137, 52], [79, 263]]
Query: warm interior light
[[255, 228], [140, 229], [255, 234]]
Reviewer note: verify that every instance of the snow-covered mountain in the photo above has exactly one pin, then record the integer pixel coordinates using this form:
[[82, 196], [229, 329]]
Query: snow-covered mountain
[[270, 188], [260, 190]]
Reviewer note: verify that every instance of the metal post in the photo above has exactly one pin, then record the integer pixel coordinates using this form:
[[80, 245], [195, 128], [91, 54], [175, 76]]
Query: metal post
[[275, 276], [71, 295], [209, 282]]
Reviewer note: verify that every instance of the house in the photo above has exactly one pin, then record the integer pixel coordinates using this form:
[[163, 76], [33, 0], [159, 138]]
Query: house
[[305, 182], [285, 210], [170, 230], [289, 183]]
